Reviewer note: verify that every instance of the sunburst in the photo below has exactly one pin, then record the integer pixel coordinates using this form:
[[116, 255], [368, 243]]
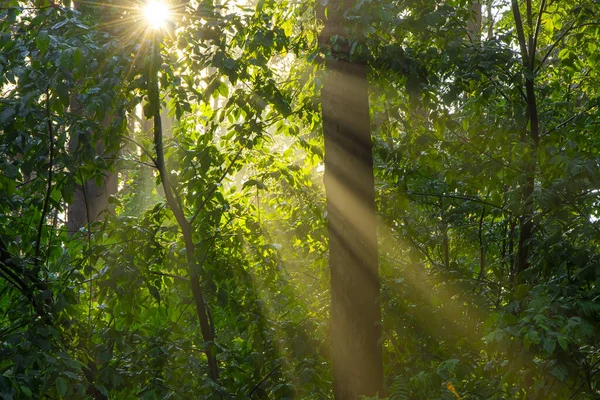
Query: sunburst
[[157, 14]]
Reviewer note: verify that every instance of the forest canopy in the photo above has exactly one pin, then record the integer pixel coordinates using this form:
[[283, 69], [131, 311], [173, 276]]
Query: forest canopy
[[281, 199]]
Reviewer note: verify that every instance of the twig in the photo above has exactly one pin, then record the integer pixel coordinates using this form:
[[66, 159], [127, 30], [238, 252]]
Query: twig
[[557, 127], [215, 186], [560, 38], [459, 197], [146, 151], [255, 388], [181, 278], [537, 32]]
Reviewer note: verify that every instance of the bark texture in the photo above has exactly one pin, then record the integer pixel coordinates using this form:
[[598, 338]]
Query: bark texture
[[90, 201], [355, 308], [474, 23]]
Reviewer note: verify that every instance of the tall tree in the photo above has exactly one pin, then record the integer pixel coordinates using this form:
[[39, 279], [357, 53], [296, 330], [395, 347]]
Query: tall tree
[[349, 182], [90, 200], [531, 134]]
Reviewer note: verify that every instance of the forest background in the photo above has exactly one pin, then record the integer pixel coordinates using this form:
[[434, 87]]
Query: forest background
[[165, 200]]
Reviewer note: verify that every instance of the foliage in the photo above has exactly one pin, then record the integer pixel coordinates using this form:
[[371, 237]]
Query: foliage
[[107, 311]]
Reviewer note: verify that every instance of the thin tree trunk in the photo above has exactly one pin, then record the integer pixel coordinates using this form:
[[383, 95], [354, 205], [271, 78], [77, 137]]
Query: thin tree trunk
[[206, 328], [533, 139], [481, 246], [474, 23], [445, 239], [490, 20], [353, 261]]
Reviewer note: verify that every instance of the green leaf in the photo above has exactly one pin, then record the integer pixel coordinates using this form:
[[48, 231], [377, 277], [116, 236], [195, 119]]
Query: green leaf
[[562, 341], [61, 386], [7, 116], [254, 182], [549, 344], [154, 292], [42, 41], [63, 93], [26, 391], [65, 59], [560, 372], [78, 57]]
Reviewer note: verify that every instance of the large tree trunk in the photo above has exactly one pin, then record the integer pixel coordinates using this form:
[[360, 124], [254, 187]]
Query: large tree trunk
[[90, 201], [353, 262]]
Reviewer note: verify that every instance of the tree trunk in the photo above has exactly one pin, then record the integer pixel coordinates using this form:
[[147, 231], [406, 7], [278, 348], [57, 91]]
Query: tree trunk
[[528, 50], [206, 327], [353, 262], [90, 201], [474, 23]]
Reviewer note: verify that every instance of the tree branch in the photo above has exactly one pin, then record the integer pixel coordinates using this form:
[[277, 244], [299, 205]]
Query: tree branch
[[537, 32], [255, 388], [459, 197], [520, 30], [215, 186], [560, 38], [559, 126]]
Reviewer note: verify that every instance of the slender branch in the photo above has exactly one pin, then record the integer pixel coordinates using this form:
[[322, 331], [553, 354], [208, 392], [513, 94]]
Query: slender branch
[[537, 32], [459, 197], [144, 150], [560, 38], [559, 126], [466, 141], [14, 279], [520, 31], [14, 328], [49, 189], [181, 278], [255, 388], [27, 182], [206, 327], [151, 165], [215, 186]]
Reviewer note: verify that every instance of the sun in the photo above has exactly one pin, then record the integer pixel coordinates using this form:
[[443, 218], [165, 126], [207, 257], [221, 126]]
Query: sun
[[157, 14]]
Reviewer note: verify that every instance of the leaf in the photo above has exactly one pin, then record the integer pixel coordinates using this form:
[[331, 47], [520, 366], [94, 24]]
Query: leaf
[[564, 53], [254, 182], [154, 292], [78, 57], [560, 372], [26, 391], [65, 59], [281, 104], [7, 116], [10, 171], [61, 386], [42, 41], [60, 24], [105, 354], [549, 345], [562, 341], [63, 93]]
